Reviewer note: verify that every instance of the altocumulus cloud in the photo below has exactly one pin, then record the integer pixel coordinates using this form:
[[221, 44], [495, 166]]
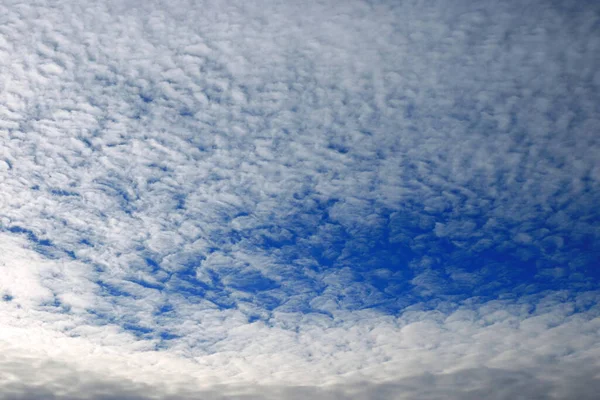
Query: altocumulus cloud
[[289, 200]]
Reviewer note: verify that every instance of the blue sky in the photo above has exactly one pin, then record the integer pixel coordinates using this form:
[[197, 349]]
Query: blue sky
[[283, 199]]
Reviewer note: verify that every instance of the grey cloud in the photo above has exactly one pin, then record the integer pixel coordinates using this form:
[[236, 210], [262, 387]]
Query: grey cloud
[[565, 382]]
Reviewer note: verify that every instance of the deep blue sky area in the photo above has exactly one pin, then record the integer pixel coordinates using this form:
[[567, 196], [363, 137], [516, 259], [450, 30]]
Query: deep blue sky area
[[395, 269]]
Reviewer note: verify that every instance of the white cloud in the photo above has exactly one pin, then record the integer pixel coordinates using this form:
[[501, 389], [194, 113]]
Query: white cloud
[[540, 345], [170, 171]]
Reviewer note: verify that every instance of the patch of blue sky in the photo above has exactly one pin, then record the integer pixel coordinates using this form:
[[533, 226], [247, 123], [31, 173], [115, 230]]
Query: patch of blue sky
[[379, 257]]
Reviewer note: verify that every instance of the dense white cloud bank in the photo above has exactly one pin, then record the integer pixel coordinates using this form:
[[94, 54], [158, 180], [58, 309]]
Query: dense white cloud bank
[[291, 199]]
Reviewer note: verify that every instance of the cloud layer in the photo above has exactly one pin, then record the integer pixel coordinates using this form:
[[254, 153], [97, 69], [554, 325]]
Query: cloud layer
[[336, 199]]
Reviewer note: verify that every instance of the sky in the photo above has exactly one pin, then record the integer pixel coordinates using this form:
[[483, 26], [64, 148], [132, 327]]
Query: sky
[[285, 199]]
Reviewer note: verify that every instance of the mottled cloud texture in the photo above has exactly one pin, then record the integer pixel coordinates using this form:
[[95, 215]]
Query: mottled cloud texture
[[299, 199]]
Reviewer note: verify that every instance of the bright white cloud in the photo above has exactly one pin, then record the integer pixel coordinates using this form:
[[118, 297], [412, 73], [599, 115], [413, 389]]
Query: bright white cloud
[[542, 336], [539, 344]]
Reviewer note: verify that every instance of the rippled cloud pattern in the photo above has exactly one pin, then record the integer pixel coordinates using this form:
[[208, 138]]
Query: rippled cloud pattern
[[299, 199]]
